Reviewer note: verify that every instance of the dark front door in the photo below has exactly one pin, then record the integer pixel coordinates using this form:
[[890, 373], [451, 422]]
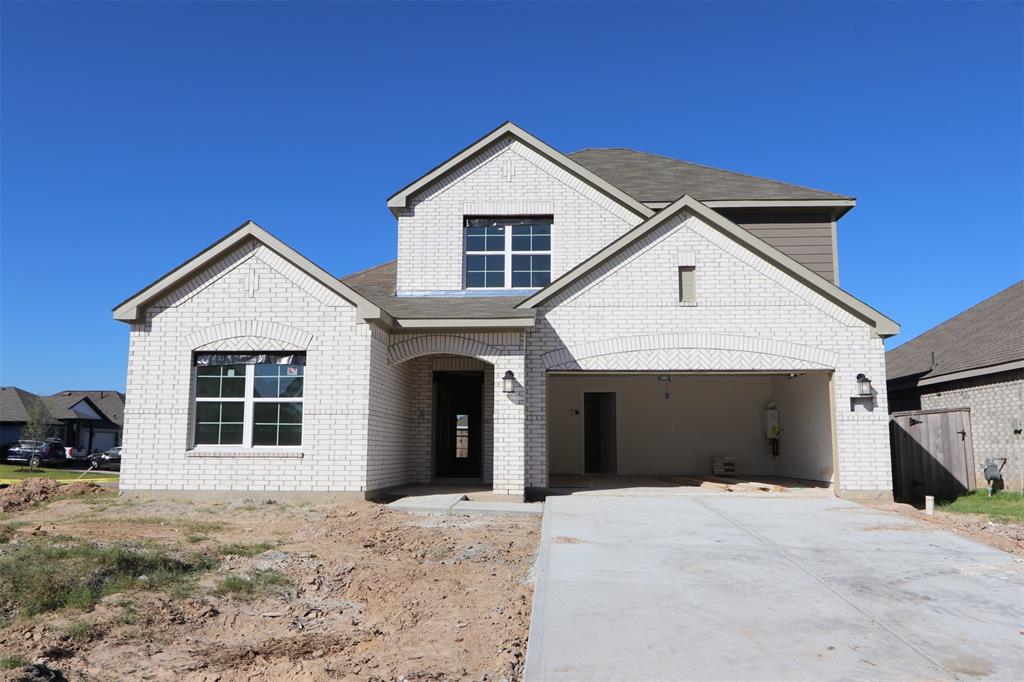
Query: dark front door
[[458, 408], [599, 433]]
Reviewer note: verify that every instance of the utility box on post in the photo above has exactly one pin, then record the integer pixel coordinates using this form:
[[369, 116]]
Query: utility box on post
[[770, 422]]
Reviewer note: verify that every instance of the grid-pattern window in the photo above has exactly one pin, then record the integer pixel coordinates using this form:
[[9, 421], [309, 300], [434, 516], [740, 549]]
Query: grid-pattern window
[[530, 271], [277, 424], [220, 405], [507, 253], [256, 401], [220, 422]]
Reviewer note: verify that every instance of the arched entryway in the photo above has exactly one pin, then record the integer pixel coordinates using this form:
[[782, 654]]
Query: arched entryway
[[441, 414]]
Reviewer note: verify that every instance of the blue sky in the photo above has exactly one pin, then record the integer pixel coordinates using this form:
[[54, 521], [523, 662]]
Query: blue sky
[[136, 133]]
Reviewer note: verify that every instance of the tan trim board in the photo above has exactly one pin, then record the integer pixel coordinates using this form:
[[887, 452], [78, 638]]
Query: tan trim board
[[883, 325], [466, 323], [129, 310], [399, 201], [969, 373]]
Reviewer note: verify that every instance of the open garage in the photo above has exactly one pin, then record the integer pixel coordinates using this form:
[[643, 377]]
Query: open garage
[[643, 423]]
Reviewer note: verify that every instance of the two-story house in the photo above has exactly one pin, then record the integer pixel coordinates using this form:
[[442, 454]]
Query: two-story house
[[549, 315]]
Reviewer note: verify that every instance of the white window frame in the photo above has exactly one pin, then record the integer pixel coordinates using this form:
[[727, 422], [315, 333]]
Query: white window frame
[[507, 252], [248, 416]]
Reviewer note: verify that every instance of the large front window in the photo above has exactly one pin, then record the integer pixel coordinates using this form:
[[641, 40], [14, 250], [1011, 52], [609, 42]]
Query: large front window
[[507, 253], [249, 399]]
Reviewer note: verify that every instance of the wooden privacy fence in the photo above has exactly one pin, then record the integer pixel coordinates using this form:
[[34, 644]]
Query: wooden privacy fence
[[932, 453]]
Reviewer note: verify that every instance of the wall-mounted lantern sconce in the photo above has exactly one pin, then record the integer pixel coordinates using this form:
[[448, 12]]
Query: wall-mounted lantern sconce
[[863, 386], [508, 383]]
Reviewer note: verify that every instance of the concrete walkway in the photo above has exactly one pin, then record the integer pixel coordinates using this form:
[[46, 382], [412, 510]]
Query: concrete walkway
[[714, 587], [458, 503]]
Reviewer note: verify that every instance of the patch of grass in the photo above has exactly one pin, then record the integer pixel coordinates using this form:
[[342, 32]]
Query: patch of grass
[[12, 662], [149, 520], [1005, 505], [79, 631], [243, 549], [203, 526], [19, 472], [49, 573], [252, 585], [195, 537], [7, 529], [195, 527]]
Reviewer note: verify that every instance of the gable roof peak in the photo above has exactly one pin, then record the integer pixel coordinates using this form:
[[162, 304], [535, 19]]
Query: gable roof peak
[[399, 201], [131, 308], [881, 324]]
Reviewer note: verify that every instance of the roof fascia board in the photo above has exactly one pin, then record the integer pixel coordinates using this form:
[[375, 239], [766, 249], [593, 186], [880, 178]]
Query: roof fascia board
[[467, 323], [883, 326], [130, 309], [399, 201], [839, 207], [965, 374], [783, 203]]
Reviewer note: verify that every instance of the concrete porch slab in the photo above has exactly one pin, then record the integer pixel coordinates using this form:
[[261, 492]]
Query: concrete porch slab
[[460, 503]]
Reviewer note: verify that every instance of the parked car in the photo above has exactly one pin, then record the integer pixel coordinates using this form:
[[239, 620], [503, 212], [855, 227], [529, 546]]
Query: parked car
[[111, 459], [36, 452]]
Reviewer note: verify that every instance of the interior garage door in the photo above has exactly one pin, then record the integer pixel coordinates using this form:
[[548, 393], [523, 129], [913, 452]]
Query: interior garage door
[[664, 424]]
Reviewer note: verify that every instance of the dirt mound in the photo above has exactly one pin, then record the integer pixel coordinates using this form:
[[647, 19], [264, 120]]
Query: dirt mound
[[35, 491]]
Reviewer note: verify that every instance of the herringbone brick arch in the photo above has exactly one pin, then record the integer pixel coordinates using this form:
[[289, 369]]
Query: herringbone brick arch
[[690, 352]]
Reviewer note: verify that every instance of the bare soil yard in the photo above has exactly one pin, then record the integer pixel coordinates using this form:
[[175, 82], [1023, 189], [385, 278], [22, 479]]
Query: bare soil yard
[[276, 591], [1000, 533]]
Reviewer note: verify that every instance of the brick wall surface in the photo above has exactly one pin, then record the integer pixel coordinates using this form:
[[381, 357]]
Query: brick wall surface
[[368, 397], [749, 316], [995, 401], [250, 300], [503, 414], [507, 178]]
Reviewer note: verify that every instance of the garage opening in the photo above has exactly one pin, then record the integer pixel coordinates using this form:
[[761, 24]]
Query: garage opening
[[665, 424]]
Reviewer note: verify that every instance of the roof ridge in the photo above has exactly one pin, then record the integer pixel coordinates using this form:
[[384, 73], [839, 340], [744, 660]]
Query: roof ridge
[[714, 168], [366, 270], [81, 390]]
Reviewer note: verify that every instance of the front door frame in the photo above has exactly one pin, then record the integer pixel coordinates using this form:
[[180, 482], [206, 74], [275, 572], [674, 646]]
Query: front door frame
[[436, 473]]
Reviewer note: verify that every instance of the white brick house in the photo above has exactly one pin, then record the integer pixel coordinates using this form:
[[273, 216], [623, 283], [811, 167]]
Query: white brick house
[[548, 316]]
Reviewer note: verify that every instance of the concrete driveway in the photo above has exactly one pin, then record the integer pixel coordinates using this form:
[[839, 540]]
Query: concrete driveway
[[716, 587]]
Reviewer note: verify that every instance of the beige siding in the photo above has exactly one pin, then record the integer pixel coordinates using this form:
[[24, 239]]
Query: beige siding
[[805, 237]]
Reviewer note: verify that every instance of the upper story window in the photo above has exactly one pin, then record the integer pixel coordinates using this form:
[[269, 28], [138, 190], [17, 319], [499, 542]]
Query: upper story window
[[249, 399], [507, 253]]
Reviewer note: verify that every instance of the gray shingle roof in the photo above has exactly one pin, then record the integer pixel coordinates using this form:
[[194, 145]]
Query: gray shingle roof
[[650, 178], [109, 403], [379, 284], [16, 403], [990, 333]]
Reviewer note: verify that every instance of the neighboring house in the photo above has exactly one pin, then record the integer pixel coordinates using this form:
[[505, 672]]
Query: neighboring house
[[974, 360], [548, 315], [89, 421]]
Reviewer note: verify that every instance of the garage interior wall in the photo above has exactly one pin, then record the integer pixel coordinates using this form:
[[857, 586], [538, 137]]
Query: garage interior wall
[[704, 416]]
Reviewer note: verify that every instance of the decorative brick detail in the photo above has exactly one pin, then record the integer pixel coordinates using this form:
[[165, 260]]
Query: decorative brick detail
[[710, 352], [433, 344], [261, 332]]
